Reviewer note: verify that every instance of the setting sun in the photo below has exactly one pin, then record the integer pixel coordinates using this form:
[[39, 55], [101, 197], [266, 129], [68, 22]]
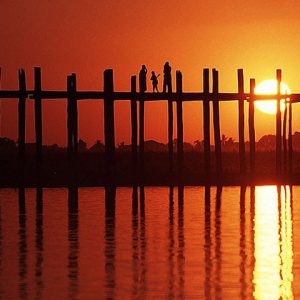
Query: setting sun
[[269, 87]]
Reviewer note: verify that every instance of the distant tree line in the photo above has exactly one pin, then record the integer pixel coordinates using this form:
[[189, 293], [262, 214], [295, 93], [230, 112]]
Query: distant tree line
[[267, 143]]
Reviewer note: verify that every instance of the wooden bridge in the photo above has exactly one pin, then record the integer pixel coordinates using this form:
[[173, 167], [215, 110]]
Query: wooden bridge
[[284, 151]]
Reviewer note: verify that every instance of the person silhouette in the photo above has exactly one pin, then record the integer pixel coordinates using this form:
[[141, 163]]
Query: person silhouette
[[154, 81], [167, 78], [142, 79]]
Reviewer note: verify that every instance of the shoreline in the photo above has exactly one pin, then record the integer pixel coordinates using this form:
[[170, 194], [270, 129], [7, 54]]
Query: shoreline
[[213, 182], [90, 171]]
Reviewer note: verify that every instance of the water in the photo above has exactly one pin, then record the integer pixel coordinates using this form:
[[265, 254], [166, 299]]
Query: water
[[229, 243]]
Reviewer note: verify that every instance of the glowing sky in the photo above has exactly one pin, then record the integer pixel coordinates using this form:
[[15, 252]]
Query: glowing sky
[[88, 36]]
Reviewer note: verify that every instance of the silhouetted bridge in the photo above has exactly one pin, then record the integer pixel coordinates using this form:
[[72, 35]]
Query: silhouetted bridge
[[284, 151]]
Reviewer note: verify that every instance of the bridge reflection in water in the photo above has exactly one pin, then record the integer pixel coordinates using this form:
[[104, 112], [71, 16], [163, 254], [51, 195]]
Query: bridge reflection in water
[[152, 242], [273, 271]]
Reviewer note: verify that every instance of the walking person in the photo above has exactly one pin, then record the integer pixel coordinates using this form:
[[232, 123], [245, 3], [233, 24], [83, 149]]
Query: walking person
[[167, 78], [142, 79], [154, 79]]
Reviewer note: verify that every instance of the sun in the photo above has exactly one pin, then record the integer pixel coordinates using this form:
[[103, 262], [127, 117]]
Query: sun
[[269, 87]]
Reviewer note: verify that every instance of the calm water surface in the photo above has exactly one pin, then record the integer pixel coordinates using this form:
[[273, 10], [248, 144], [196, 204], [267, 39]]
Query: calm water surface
[[193, 243]]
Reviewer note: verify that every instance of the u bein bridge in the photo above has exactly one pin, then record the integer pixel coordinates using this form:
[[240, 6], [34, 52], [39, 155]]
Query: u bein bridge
[[284, 151]]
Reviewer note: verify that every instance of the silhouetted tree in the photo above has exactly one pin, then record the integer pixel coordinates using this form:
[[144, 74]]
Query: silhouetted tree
[[223, 139], [53, 148], [267, 143], [154, 146], [97, 147], [228, 144], [187, 147], [7, 145], [122, 147], [82, 146], [199, 145]]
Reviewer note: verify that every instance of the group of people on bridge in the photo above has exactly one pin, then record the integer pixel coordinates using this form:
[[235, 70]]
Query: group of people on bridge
[[167, 83]]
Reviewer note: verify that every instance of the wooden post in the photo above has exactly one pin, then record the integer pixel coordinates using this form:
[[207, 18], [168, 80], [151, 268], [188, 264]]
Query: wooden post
[[206, 121], [69, 119], [38, 122], [241, 121], [109, 124], [170, 135], [72, 127], [278, 124], [133, 107], [0, 104], [179, 124], [216, 119], [141, 134], [72, 115], [284, 139], [290, 139], [75, 113], [21, 126], [142, 126], [251, 127]]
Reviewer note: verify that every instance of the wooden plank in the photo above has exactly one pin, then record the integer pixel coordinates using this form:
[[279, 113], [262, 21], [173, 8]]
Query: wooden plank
[[278, 124], [186, 96], [251, 127], [179, 124], [21, 126], [38, 123], [196, 96], [109, 125], [9, 94], [216, 120], [290, 139], [133, 108], [241, 121], [193, 96], [206, 122]]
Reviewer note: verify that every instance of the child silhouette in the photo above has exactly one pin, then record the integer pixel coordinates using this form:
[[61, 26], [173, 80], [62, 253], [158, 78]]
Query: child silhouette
[[154, 81]]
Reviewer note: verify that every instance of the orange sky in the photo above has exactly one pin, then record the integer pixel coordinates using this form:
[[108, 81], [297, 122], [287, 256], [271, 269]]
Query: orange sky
[[86, 37]]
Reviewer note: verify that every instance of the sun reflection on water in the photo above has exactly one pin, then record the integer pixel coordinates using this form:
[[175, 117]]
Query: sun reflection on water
[[286, 253], [273, 244]]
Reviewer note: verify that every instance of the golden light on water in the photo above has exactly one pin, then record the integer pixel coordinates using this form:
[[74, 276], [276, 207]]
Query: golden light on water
[[267, 249], [273, 244], [286, 253], [269, 87]]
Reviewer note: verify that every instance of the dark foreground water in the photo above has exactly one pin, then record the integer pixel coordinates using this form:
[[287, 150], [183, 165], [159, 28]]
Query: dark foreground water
[[196, 242]]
